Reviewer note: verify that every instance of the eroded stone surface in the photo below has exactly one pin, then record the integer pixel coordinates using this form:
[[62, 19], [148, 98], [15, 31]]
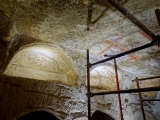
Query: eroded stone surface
[[62, 24]]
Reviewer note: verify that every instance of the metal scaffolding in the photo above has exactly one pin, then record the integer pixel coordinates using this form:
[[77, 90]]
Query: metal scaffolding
[[155, 41], [90, 94], [140, 96]]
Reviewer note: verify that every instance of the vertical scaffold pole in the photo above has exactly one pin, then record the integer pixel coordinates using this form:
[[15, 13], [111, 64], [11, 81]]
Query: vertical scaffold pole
[[88, 86], [119, 96], [141, 102], [157, 11]]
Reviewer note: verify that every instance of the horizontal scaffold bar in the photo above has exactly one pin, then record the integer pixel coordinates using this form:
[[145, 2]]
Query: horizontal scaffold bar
[[148, 78], [150, 100], [124, 53], [126, 91]]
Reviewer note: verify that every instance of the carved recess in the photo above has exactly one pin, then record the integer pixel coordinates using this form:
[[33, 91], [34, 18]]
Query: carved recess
[[42, 64]]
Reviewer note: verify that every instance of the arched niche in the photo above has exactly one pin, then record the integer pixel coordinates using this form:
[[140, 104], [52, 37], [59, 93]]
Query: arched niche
[[104, 77], [38, 115], [99, 115], [42, 63]]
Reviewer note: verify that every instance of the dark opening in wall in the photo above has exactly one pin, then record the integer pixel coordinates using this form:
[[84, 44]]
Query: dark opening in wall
[[38, 115], [98, 115]]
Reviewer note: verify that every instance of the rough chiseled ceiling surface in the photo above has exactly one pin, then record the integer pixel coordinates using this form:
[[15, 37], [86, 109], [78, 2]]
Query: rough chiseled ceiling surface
[[61, 24]]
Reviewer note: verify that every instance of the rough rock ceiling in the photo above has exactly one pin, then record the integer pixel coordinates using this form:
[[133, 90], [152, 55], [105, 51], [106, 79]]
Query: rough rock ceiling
[[63, 23]]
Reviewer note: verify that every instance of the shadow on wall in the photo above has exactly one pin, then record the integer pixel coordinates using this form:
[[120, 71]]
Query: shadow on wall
[[38, 115], [98, 115]]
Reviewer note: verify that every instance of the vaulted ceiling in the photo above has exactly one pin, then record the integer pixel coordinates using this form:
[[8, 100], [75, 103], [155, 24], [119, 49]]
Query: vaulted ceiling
[[63, 24]]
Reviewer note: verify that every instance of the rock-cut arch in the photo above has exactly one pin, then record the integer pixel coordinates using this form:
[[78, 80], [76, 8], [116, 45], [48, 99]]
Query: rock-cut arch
[[98, 115], [42, 63], [104, 77], [38, 115]]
